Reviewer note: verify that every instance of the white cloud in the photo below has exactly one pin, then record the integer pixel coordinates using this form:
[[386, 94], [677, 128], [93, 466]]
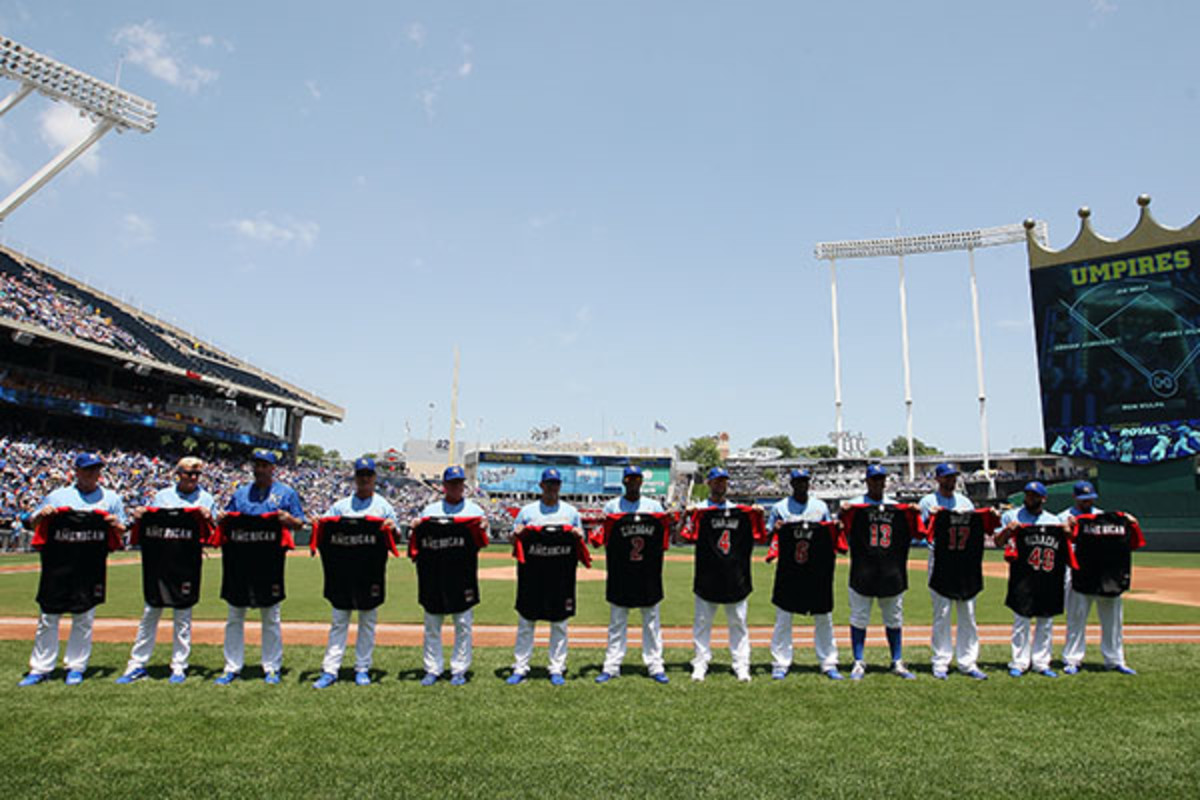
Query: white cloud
[[61, 126], [286, 231], [206, 40], [416, 33], [149, 47], [465, 68], [1101, 7], [138, 229], [313, 89]]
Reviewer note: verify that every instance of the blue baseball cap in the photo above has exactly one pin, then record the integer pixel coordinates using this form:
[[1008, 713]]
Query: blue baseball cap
[[876, 471], [799, 474], [943, 470], [86, 460], [717, 472], [551, 474], [1085, 491], [453, 473], [263, 455], [1037, 487], [364, 464], [632, 469]]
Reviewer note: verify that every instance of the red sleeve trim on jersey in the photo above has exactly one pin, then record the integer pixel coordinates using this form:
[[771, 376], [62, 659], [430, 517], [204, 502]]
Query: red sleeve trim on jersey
[[600, 534], [846, 515], [582, 554], [318, 533], [772, 548], [838, 533], [991, 520], [478, 528], [414, 538], [1136, 539], [519, 546], [691, 527]]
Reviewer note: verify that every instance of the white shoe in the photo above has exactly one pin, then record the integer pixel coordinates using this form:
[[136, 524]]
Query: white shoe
[[743, 677], [698, 673], [859, 669]]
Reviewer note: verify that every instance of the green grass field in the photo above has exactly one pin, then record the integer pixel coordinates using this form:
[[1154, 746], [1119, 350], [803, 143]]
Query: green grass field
[[1096, 734], [305, 601]]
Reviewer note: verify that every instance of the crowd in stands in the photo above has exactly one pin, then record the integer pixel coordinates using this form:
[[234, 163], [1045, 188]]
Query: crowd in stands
[[34, 299], [31, 466]]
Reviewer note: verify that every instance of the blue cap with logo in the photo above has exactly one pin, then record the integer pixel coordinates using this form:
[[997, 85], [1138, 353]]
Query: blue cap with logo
[[364, 464], [799, 475], [551, 474], [1085, 491], [876, 471], [263, 455], [717, 472], [1037, 487], [632, 469], [943, 470], [86, 460], [453, 473]]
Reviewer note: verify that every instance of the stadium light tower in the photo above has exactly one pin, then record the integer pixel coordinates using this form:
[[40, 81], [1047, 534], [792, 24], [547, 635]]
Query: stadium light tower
[[104, 104], [900, 246]]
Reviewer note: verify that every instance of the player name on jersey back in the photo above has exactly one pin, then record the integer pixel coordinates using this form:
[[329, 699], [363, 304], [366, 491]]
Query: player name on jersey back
[[634, 545], [806, 554], [1038, 557], [73, 547], [879, 537], [957, 538], [724, 539]]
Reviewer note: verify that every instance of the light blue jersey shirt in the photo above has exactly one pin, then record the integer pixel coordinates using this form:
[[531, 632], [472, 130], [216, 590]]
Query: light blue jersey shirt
[[249, 499], [935, 500], [355, 506], [172, 498], [463, 508], [1023, 516], [789, 509], [536, 513], [99, 499], [644, 505]]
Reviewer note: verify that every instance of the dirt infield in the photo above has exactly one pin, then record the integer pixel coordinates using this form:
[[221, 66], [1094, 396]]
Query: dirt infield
[[409, 635]]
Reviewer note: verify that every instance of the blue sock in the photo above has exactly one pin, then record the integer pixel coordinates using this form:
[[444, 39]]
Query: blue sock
[[893, 637], [858, 639]]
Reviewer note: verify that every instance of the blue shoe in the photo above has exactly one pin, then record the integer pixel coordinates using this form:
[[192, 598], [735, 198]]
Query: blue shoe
[[177, 678], [833, 675], [858, 671], [74, 677], [271, 678], [1047, 673], [605, 677], [898, 668], [778, 674], [133, 675], [515, 678], [1013, 672], [1124, 670], [940, 674], [34, 678], [976, 673], [362, 678], [226, 678], [458, 679], [556, 679], [660, 677], [325, 680], [1071, 669], [430, 679]]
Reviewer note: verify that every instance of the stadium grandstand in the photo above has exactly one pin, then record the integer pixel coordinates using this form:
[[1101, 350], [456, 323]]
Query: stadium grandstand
[[74, 360]]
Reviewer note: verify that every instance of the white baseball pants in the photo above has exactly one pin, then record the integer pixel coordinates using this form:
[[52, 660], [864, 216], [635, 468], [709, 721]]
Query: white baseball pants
[[45, 643], [524, 647], [739, 634], [1112, 638], [339, 634], [618, 628], [1027, 650], [890, 608], [147, 634], [272, 638], [823, 643], [966, 649], [460, 656]]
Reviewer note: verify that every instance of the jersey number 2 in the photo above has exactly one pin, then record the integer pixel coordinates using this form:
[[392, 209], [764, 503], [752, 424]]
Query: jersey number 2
[[636, 545]]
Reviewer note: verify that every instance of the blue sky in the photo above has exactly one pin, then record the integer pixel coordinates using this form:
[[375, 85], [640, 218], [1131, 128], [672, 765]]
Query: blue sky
[[610, 208]]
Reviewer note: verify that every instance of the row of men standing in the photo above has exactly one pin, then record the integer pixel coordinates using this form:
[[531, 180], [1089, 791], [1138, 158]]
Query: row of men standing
[[800, 527]]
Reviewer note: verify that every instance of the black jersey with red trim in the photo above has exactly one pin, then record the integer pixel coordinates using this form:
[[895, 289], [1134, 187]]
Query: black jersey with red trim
[[253, 554], [1104, 544], [805, 554], [74, 547], [879, 537], [724, 537], [1038, 557], [446, 552], [354, 553], [546, 557], [634, 545], [172, 540], [957, 539]]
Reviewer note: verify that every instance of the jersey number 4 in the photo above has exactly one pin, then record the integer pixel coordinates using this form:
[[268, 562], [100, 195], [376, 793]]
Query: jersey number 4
[[1042, 558], [724, 544]]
